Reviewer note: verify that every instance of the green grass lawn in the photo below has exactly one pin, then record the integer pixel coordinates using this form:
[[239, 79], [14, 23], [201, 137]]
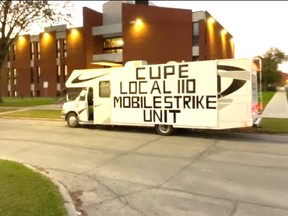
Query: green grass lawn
[[271, 125], [266, 97], [27, 193], [274, 125], [26, 102]]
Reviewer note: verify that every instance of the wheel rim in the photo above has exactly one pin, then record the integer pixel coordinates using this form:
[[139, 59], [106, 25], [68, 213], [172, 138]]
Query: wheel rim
[[72, 120], [164, 128]]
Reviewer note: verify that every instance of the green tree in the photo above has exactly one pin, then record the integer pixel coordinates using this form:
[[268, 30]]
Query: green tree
[[270, 61], [21, 16]]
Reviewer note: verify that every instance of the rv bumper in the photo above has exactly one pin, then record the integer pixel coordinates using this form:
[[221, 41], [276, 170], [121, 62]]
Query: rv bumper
[[63, 117]]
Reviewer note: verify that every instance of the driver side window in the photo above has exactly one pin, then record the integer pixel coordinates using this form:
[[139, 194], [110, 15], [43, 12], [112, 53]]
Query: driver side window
[[82, 95]]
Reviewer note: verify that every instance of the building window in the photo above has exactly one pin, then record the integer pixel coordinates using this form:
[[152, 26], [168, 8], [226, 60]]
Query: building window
[[32, 75], [38, 74], [113, 45], [104, 89], [195, 33], [32, 50], [58, 48], [8, 56], [14, 76], [65, 72], [58, 73], [38, 50], [65, 48], [14, 52], [9, 76], [61, 48]]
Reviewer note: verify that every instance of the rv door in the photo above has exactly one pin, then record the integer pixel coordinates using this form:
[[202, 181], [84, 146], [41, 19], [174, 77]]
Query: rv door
[[82, 105]]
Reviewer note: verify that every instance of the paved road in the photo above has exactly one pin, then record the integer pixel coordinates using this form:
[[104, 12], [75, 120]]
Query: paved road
[[138, 173]]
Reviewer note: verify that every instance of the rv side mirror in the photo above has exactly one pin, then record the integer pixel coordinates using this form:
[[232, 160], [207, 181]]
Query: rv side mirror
[[67, 97]]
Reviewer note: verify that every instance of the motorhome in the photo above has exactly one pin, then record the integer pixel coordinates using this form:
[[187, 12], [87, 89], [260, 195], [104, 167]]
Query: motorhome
[[212, 94]]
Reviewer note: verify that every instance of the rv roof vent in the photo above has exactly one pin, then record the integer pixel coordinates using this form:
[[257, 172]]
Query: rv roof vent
[[135, 63]]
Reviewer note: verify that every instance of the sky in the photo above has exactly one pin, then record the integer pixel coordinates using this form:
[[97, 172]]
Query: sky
[[256, 26]]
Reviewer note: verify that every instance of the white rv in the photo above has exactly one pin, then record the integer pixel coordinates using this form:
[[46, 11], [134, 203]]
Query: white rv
[[214, 94]]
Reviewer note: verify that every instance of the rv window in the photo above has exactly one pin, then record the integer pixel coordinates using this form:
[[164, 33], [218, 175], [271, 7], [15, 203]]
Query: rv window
[[82, 96], [104, 89]]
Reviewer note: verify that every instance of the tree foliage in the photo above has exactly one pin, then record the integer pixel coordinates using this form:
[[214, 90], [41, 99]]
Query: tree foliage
[[22, 15], [270, 61]]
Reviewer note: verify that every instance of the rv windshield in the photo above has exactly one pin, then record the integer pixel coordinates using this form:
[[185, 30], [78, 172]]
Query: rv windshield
[[72, 94]]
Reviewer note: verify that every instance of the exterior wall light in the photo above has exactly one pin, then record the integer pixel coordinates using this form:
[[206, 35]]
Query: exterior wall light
[[46, 37], [74, 31], [211, 20], [74, 34], [137, 22], [223, 32], [21, 40], [138, 25]]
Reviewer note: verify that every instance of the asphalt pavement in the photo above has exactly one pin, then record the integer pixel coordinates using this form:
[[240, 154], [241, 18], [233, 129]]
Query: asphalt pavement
[[129, 172]]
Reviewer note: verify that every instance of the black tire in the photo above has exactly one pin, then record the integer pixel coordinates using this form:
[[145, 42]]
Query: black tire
[[72, 120], [164, 130]]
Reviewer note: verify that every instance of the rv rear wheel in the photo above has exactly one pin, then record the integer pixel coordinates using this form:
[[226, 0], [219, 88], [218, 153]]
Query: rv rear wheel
[[72, 120], [164, 129]]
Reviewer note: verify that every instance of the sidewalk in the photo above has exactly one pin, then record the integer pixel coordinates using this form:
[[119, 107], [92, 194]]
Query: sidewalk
[[41, 107], [278, 106], [57, 106]]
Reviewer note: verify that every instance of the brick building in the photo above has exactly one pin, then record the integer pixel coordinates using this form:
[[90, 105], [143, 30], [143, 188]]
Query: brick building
[[38, 65]]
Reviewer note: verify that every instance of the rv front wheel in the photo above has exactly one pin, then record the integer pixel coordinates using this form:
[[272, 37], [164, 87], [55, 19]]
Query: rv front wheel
[[164, 129], [72, 120]]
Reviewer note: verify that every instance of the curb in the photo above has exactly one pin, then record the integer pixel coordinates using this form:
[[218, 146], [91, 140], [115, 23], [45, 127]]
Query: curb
[[68, 202]]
